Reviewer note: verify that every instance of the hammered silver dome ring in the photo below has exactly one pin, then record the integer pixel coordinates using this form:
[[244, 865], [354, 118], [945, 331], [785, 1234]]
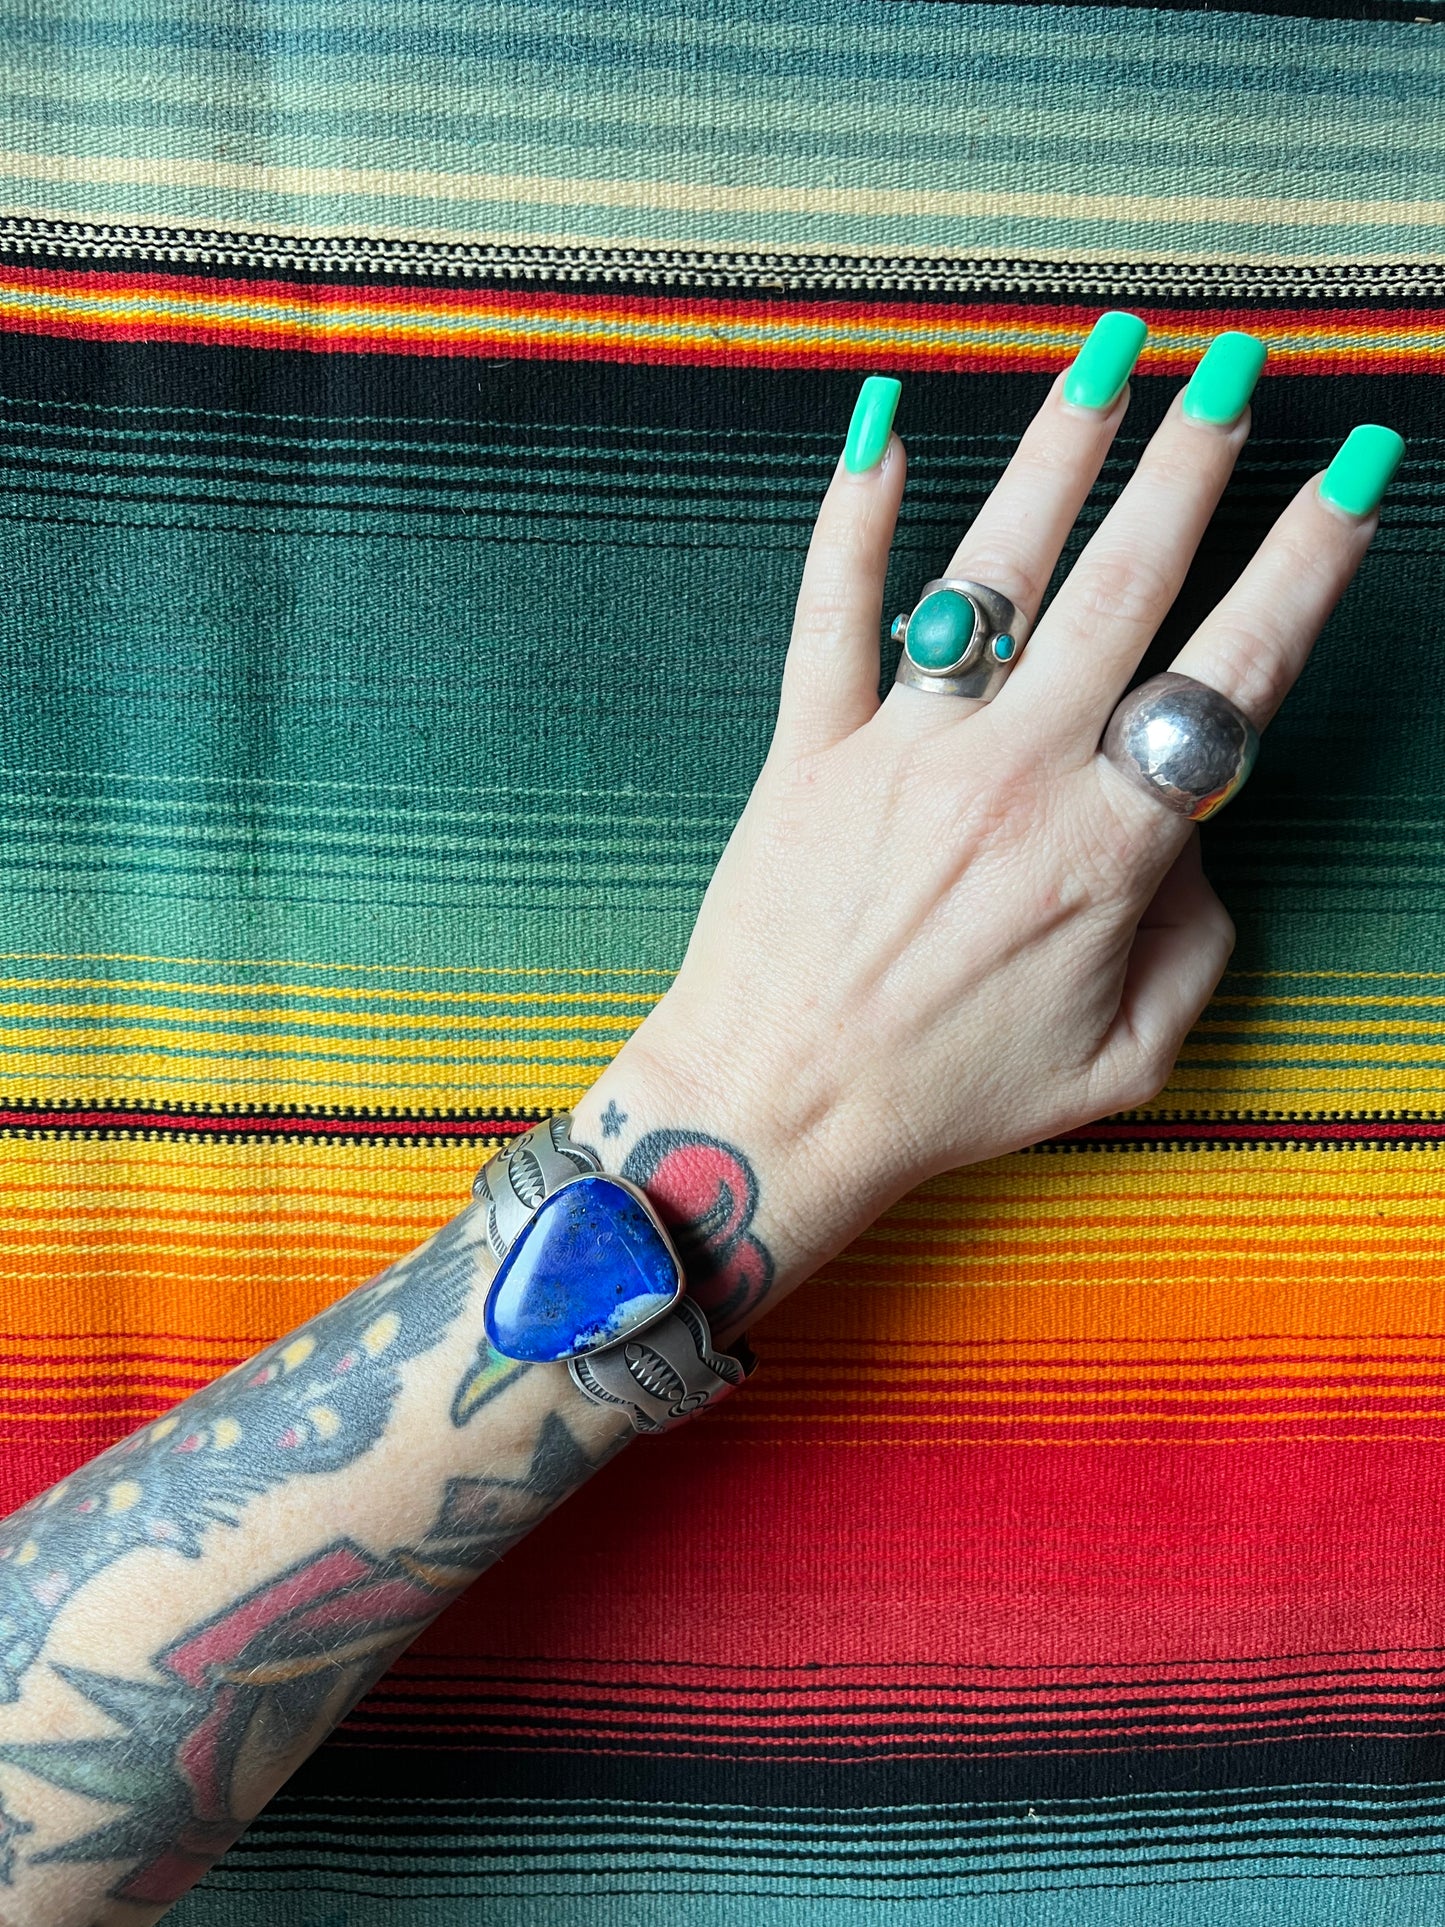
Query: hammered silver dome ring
[[1183, 743]]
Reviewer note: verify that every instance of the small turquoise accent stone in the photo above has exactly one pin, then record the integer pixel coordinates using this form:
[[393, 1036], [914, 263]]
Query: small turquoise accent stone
[[1004, 648], [899, 628], [588, 1269], [940, 631]]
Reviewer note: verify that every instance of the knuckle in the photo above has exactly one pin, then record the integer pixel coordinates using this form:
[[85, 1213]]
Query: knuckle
[[1147, 1076], [824, 606], [998, 563], [1225, 933], [1246, 664], [1118, 587]]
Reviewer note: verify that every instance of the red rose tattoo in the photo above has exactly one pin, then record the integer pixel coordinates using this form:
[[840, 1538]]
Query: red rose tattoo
[[707, 1195]]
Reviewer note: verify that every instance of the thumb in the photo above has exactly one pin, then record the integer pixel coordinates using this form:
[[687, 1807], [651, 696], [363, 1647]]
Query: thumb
[[1184, 940]]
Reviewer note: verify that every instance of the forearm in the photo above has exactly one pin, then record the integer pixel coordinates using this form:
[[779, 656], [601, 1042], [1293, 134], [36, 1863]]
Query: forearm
[[184, 1620]]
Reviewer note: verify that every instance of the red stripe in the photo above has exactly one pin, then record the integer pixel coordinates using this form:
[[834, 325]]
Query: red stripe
[[633, 314]]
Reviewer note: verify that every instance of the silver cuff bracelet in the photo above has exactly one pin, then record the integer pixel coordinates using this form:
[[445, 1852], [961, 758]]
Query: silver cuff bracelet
[[587, 1275]]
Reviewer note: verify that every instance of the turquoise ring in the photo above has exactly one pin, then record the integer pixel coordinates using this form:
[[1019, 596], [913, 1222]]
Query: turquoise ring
[[961, 638]]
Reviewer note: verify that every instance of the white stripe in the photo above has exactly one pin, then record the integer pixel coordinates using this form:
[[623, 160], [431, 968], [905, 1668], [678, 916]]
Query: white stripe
[[545, 190]]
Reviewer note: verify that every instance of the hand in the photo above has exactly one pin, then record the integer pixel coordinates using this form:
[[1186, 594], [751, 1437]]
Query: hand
[[942, 929]]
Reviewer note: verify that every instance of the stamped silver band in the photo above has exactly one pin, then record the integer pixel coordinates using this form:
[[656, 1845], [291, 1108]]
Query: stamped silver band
[[665, 1374], [522, 1173]]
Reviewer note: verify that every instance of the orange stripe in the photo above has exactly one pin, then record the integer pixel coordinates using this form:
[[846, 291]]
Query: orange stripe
[[516, 323]]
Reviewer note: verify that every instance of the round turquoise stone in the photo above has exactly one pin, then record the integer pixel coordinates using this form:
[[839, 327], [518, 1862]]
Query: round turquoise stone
[[1004, 648], [940, 631]]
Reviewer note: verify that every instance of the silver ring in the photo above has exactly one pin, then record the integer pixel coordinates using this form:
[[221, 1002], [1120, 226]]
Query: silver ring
[[1183, 742], [960, 638]]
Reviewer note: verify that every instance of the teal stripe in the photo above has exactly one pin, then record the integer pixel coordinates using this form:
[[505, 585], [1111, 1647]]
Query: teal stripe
[[1313, 1896], [309, 778], [1258, 1855], [749, 92]]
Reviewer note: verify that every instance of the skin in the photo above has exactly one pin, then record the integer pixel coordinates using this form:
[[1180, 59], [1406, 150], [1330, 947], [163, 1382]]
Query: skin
[[1040, 955], [962, 903]]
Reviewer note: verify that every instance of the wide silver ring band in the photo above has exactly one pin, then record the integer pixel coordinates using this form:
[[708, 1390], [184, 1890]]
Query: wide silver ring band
[[983, 670], [1183, 744]]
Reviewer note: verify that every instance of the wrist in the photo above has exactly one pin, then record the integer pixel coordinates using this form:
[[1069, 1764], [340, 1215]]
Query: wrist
[[756, 1198]]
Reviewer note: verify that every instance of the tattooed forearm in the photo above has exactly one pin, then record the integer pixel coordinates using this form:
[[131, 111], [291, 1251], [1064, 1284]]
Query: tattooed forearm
[[185, 1618], [239, 1700], [312, 1403]]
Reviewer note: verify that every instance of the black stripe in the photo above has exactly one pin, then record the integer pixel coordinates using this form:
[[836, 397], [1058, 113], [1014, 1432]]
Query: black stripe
[[477, 1771], [77, 246], [1307, 416]]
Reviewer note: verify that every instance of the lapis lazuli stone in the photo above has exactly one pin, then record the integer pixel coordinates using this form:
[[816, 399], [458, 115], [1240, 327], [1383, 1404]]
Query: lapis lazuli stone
[[589, 1269]]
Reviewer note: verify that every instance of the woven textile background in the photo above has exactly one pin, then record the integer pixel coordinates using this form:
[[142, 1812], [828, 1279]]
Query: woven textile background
[[411, 419]]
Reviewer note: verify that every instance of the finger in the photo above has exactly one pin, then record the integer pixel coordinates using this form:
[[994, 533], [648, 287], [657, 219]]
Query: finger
[[830, 677], [1255, 642], [1015, 541], [1120, 589], [1183, 942]]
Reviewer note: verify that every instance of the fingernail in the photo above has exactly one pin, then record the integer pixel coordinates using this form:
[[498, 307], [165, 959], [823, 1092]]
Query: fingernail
[[1099, 370], [1364, 463], [1224, 380], [872, 423]]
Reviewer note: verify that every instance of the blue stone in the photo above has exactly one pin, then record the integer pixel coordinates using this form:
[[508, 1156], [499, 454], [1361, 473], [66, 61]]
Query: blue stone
[[589, 1268], [1003, 648]]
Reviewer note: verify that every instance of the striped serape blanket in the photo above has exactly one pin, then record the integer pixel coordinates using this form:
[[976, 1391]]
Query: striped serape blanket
[[413, 416]]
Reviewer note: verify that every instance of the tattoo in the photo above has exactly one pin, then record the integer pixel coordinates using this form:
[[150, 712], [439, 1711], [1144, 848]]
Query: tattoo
[[312, 1403], [241, 1698], [613, 1119], [707, 1194], [488, 1374], [11, 1830]]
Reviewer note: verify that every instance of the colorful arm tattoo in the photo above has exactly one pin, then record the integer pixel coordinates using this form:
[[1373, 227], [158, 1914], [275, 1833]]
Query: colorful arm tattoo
[[239, 1700], [314, 1402], [707, 1194], [231, 1704]]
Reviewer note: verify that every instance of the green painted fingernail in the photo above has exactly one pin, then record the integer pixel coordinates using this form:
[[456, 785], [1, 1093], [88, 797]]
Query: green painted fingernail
[[1101, 367], [1224, 380], [872, 423], [1364, 463]]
